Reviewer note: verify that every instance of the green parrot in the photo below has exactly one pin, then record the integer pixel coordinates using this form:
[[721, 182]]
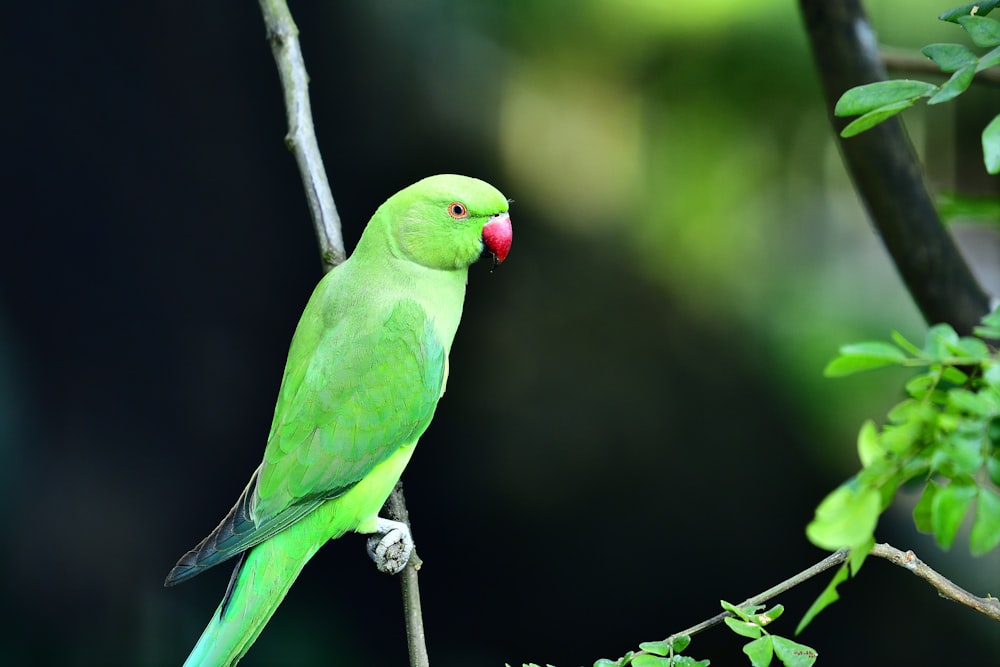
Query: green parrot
[[366, 367]]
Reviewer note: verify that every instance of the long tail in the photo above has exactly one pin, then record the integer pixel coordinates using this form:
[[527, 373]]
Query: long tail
[[259, 584]]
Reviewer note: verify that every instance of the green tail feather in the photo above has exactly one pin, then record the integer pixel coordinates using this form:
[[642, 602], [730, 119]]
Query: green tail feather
[[259, 584]]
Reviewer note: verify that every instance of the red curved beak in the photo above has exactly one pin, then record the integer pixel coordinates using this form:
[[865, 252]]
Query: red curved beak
[[497, 236]]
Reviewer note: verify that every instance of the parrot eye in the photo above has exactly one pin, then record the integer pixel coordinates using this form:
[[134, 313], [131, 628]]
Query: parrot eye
[[457, 210]]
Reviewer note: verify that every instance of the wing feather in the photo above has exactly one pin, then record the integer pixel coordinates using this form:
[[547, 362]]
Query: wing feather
[[353, 398]]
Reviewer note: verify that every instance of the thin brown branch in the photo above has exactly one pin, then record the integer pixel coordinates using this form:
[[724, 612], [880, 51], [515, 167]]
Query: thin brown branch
[[283, 35], [396, 509], [832, 560], [902, 60], [988, 606]]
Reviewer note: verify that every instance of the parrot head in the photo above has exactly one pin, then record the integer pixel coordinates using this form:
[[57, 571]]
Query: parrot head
[[446, 222]]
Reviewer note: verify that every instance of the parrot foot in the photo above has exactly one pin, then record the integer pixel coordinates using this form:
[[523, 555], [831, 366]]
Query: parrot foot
[[391, 545]]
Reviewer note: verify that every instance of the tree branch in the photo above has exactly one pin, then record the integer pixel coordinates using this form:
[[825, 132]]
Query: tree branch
[[904, 60], [988, 606], [396, 509], [283, 35], [832, 560], [886, 172]]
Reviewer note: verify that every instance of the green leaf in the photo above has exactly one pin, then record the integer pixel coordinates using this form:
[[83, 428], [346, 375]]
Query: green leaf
[[901, 438], [863, 356], [982, 31], [685, 661], [923, 511], [952, 205], [954, 86], [953, 375], [991, 59], [745, 613], [793, 654], [876, 475], [988, 331], [887, 486], [985, 535], [949, 507], [959, 453], [603, 662], [760, 651], [845, 518], [769, 616], [680, 642], [990, 325], [910, 410], [970, 402], [651, 661], [907, 413], [825, 599], [905, 344], [950, 57], [873, 118], [991, 146], [961, 349], [869, 97], [991, 375], [973, 348], [981, 8], [939, 338], [869, 450], [656, 648], [917, 466], [733, 609], [742, 628], [919, 385]]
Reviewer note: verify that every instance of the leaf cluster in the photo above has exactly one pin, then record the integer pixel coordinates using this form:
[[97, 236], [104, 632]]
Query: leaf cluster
[[763, 646], [944, 438], [747, 621], [876, 102], [665, 653], [944, 435]]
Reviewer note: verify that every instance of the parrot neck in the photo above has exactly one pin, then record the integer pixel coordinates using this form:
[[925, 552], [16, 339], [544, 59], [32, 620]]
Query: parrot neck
[[388, 280], [441, 293]]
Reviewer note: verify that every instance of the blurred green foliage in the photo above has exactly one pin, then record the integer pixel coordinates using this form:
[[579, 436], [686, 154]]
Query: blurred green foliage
[[692, 137]]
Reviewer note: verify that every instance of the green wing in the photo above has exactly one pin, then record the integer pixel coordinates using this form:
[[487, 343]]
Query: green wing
[[349, 409], [344, 406]]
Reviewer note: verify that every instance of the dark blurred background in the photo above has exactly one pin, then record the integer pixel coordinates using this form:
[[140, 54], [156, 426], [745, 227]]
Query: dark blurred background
[[636, 424]]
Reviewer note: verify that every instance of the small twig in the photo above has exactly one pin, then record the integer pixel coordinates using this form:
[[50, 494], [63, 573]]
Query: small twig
[[832, 560], [988, 606], [301, 140], [901, 60], [283, 35], [396, 509]]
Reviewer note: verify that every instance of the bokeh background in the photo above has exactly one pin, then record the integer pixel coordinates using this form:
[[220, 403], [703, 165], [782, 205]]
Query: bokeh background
[[636, 424]]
